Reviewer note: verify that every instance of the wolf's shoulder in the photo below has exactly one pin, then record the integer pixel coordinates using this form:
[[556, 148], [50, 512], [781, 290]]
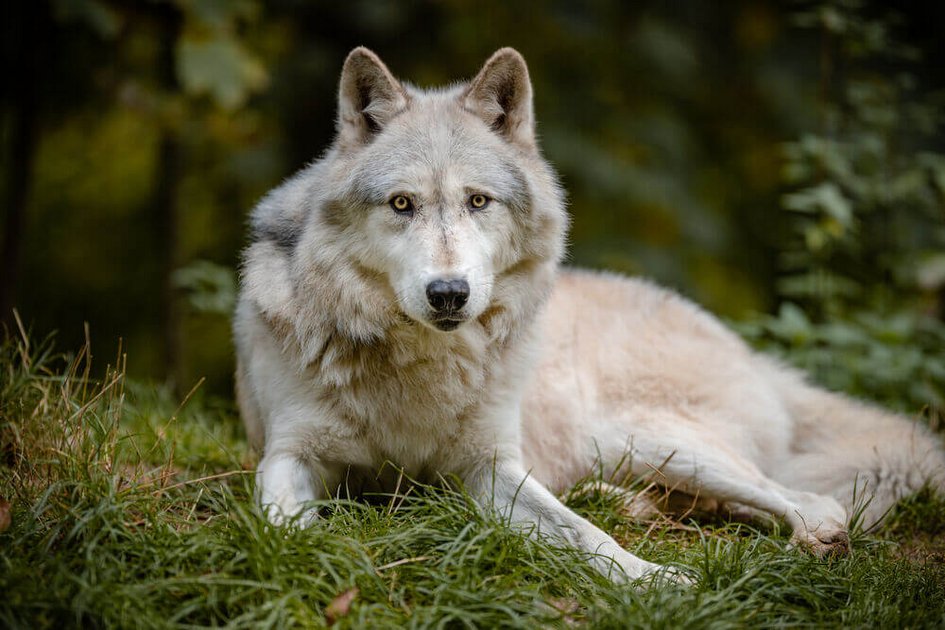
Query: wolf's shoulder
[[280, 215]]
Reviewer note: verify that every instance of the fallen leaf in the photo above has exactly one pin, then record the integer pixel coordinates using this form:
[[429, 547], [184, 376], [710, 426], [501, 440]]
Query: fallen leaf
[[4, 515], [340, 606]]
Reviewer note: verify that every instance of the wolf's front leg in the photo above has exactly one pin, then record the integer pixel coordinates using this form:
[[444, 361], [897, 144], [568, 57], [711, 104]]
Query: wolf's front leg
[[524, 501], [284, 484]]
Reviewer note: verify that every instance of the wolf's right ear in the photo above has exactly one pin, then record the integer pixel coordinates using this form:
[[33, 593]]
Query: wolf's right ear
[[501, 95], [368, 98]]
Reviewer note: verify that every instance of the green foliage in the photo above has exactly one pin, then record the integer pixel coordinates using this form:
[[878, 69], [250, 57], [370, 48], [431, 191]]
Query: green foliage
[[866, 203], [897, 359], [867, 200], [210, 288], [211, 59], [130, 510]]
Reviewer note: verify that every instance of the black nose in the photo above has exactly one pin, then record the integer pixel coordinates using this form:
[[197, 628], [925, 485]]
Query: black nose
[[447, 295]]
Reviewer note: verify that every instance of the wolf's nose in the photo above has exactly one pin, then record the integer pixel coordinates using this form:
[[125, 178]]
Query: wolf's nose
[[447, 295]]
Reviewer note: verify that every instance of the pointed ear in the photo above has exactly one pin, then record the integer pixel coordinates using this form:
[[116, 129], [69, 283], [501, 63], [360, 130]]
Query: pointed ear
[[368, 97], [501, 94]]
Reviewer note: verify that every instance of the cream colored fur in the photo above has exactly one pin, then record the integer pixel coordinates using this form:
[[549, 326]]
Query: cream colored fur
[[344, 365]]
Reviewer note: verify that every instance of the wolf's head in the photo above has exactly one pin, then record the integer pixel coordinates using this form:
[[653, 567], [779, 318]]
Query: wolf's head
[[442, 191], [432, 205]]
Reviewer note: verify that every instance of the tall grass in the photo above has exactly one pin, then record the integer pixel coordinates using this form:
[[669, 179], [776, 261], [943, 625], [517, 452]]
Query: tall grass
[[130, 509]]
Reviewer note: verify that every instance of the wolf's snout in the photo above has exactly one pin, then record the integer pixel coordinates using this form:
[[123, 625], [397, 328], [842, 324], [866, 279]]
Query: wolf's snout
[[446, 296]]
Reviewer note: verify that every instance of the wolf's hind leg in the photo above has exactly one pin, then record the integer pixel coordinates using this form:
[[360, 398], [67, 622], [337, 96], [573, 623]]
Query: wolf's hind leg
[[695, 463], [639, 505], [646, 504]]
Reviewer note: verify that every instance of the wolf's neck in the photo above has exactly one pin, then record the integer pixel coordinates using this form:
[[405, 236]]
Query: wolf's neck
[[340, 359]]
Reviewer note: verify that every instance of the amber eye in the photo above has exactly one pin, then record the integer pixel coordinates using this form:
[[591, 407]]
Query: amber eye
[[478, 202], [401, 204]]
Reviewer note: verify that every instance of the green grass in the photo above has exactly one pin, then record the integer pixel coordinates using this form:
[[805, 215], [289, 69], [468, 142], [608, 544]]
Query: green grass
[[129, 509]]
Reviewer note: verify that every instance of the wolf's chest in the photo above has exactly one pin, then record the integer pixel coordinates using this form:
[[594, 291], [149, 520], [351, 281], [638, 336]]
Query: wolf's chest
[[407, 401]]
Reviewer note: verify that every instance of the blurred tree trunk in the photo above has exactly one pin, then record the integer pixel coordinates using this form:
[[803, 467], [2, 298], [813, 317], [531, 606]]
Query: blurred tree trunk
[[164, 212], [26, 24]]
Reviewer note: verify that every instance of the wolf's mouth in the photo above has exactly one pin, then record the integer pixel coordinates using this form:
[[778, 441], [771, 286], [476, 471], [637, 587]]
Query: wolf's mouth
[[447, 324]]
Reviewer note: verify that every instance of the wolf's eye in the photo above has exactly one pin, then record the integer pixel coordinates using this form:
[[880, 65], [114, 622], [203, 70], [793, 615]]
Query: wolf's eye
[[401, 204], [478, 202]]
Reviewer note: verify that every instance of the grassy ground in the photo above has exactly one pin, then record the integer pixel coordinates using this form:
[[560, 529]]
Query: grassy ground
[[120, 507]]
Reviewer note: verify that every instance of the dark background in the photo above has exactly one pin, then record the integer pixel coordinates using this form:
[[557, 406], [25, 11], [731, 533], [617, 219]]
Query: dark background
[[136, 137]]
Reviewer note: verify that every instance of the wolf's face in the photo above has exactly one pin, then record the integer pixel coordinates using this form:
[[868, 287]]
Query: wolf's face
[[437, 194], [432, 183]]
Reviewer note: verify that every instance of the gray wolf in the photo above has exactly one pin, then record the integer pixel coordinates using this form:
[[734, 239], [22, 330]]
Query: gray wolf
[[401, 301]]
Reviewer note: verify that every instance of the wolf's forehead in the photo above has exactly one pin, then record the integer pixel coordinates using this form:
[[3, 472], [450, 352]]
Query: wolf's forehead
[[436, 133], [434, 149]]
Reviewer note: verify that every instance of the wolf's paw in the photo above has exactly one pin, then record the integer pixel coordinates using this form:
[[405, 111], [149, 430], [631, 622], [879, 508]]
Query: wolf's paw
[[824, 542], [669, 575], [819, 525], [292, 518], [648, 574]]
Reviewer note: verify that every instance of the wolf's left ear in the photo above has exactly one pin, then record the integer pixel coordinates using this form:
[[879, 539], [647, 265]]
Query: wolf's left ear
[[368, 97], [501, 94]]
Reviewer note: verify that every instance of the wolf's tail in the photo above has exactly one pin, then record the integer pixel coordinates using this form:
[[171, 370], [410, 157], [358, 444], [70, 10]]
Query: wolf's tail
[[866, 457]]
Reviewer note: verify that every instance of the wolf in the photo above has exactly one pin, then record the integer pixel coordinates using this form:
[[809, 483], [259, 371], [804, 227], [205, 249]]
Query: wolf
[[402, 301]]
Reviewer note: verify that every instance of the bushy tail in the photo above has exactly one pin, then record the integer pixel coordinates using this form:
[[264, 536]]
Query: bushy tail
[[864, 456]]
